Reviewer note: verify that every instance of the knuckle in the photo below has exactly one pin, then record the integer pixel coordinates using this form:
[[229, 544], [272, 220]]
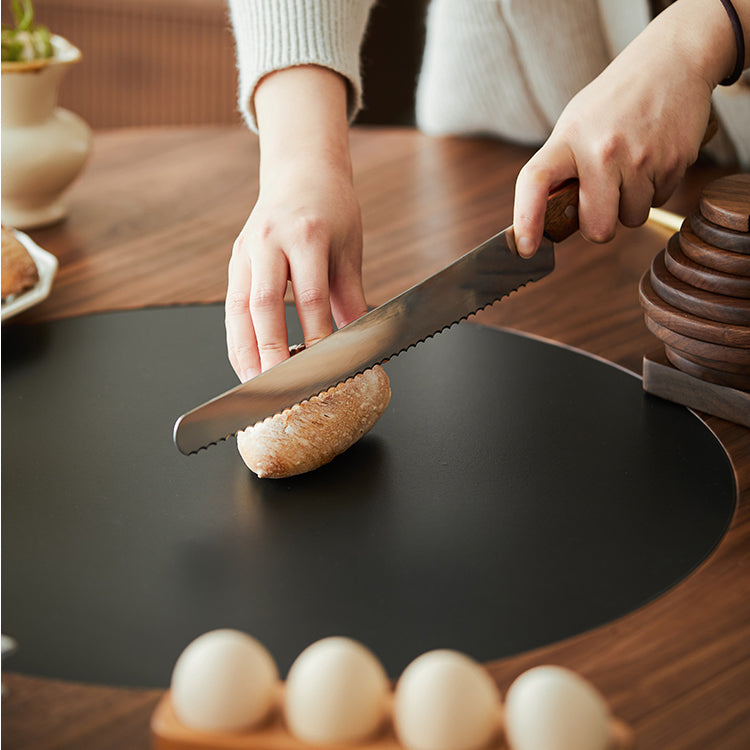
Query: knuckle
[[264, 297], [236, 303], [534, 173], [310, 228], [264, 230], [243, 352], [640, 159], [633, 217], [607, 148], [266, 348], [311, 297], [600, 233]]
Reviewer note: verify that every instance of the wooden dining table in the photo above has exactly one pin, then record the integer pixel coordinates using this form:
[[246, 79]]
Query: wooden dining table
[[152, 221]]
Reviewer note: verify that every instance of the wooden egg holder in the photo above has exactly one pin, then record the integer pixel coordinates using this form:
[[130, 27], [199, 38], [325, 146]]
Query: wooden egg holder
[[696, 301], [168, 733]]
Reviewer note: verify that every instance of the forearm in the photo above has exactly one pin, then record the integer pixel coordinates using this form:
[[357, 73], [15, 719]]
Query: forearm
[[302, 116], [700, 32], [273, 35]]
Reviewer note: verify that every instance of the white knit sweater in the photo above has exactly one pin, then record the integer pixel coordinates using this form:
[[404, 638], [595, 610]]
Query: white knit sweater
[[276, 34], [499, 67]]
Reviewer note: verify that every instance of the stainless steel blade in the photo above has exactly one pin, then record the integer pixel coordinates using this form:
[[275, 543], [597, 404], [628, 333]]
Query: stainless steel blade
[[467, 285]]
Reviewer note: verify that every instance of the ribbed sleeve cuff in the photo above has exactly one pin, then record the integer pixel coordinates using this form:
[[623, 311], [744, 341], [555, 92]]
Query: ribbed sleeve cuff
[[276, 34]]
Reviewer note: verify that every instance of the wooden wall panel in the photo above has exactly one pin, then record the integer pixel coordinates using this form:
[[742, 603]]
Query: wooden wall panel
[[147, 62], [172, 62]]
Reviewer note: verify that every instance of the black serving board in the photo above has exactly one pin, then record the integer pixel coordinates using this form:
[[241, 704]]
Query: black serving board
[[513, 494]]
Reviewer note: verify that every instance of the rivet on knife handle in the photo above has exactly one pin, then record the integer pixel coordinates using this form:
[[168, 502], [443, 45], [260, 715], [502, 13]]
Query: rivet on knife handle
[[561, 216]]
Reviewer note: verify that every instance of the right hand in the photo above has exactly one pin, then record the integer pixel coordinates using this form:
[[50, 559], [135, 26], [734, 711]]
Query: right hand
[[306, 228]]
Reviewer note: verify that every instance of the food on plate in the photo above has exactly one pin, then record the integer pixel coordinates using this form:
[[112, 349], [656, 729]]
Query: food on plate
[[336, 692], [315, 431], [446, 701], [19, 272], [224, 681]]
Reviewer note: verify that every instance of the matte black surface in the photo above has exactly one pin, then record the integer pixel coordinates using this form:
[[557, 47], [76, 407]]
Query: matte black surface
[[514, 493]]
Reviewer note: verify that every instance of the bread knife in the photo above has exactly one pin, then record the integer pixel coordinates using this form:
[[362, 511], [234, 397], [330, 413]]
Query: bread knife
[[474, 281]]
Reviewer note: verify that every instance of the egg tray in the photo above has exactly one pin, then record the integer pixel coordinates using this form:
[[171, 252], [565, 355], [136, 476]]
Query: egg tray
[[168, 733]]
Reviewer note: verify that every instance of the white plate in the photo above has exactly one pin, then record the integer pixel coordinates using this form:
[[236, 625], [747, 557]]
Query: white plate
[[46, 264]]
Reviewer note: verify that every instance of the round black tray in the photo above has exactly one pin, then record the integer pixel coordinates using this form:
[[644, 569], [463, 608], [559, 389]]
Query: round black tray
[[513, 494]]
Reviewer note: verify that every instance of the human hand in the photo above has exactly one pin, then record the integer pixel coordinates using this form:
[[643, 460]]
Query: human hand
[[305, 227], [630, 135]]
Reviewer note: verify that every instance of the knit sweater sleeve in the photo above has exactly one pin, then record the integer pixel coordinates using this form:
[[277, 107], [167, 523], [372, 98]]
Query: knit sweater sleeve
[[275, 34]]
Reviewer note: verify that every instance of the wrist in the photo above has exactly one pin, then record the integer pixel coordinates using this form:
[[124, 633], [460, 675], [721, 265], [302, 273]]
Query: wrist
[[302, 116], [702, 32]]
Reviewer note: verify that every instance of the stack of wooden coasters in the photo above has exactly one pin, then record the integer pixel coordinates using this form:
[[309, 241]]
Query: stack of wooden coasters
[[696, 300]]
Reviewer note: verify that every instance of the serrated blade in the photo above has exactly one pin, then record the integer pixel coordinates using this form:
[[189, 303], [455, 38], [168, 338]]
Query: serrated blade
[[490, 271]]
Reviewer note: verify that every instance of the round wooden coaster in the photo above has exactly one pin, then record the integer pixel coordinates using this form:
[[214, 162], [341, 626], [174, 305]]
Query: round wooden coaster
[[701, 251], [702, 277], [704, 349], [689, 325], [697, 301], [726, 202], [731, 367], [726, 239], [731, 380]]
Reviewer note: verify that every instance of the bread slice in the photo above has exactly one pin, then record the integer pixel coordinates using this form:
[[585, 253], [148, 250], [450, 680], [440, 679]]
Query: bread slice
[[312, 433]]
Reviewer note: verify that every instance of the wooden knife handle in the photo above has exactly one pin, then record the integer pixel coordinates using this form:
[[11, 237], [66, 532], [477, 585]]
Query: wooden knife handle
[[561, 216]]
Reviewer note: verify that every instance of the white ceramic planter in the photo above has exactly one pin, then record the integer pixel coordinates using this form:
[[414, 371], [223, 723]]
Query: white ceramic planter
[[44, 147]]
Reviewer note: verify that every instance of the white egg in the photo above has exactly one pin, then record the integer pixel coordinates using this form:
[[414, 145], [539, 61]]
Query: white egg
[[224, 681], [336, 692], [554, 708], [445, 701]]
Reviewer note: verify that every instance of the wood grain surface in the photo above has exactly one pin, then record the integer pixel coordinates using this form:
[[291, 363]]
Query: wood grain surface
[[726, 202], [726, 239], [716, 352], [689, 325], [712, 305], [670, 375], [703, 277], [704, 370], [152, 221], [714, 365], [713, 256]]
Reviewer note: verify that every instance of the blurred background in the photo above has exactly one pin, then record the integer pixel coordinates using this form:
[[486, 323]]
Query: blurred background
[[172, 62]]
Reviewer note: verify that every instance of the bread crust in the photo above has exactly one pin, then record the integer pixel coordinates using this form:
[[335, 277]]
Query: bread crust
[[19, 272], [310, 434]]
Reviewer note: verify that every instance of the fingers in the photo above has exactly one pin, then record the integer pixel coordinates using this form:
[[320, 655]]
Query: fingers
[[636, 199], [241, 343], [347, 295], [255, 314], [550, 166], [310, 286], [270, 271], [604, 196], [598, 201]]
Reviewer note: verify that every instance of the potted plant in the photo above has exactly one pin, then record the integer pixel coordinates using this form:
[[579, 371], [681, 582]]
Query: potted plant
[[44, 147]]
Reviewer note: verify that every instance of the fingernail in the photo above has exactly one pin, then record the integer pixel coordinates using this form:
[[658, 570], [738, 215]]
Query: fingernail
[[247, 375], [525, 247]]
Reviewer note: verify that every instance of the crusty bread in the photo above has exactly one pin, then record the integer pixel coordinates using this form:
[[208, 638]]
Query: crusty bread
[[19, 272], [314, 432]]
